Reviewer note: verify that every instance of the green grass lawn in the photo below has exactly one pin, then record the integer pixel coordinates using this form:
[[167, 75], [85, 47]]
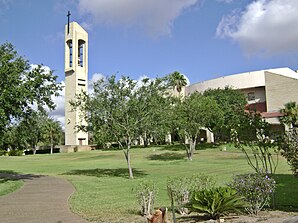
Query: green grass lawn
[[104, 192]]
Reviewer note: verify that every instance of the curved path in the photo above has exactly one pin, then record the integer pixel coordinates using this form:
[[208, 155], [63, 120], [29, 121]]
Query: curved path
[[42, 199]]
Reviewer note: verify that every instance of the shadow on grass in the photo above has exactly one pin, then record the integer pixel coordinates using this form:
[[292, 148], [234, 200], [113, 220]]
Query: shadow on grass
[[181, 147], [6, 175], [286, 193], [119, 172], [167, 156]]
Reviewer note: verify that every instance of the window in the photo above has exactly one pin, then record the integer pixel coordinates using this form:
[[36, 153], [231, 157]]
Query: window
[[251, 96], [81, 44], [69, 43]]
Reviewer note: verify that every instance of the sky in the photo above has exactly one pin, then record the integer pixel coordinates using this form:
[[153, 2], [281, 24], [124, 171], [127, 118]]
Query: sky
[[202, 39]]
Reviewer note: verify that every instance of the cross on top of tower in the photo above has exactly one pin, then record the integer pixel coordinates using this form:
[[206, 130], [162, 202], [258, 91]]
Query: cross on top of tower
[[68, 18]]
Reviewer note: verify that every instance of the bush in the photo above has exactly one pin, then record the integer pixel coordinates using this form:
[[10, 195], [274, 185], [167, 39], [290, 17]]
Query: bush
[[3, 152], [42, 151], [181, 188], [216, 202], [145, 193], [15, 152], [256, 189], [288, 144]]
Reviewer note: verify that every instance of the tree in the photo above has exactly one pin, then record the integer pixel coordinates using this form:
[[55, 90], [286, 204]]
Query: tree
[[232, 103], [117, 111], [194, 113], [154, 102], [177, 81], [13, 139], [31, 129], [254, 134], [22, 87], [52, 133], [290, 112]]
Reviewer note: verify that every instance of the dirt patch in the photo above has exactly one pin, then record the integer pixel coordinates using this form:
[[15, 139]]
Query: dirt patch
[[263, 217]]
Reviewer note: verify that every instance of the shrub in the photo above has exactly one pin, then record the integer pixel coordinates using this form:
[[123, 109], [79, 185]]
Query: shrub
[[145, 193], [256, 189], [76, 149], [181, 188], [3, 152], [216, 202], [288, 144], [15, 152]]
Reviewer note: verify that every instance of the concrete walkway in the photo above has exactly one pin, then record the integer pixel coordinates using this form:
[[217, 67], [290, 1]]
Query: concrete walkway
[[42, 199]]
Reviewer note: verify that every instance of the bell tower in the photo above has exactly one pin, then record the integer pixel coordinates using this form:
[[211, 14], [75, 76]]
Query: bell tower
[[76, 80]]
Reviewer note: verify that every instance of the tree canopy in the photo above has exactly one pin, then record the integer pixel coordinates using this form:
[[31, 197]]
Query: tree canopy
[[194, 113], [121, 111], [290, 112], [177, 81], [232, 103], [23, 88]]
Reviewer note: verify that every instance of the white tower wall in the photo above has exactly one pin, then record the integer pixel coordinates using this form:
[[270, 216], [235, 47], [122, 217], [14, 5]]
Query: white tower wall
[[76, 80]]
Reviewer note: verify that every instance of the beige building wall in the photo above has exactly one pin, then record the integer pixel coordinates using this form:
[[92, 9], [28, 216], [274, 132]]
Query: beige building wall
[[247, 80], [272, 88], [280, 90], [76, 80]]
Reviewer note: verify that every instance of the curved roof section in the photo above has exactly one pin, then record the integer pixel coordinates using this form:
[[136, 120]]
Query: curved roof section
[[240, 81]]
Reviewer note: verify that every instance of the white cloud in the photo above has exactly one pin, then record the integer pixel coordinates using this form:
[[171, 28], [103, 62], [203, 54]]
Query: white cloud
[[266, 27], [154, 17], [96, 77]]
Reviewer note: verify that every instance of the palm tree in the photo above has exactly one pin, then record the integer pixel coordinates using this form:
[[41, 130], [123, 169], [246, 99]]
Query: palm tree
[[177, 81], [52, 132], [290, 114]]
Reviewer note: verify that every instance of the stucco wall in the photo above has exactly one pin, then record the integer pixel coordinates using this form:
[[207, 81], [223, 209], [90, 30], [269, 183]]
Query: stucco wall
[[280, 90], [76, 80]]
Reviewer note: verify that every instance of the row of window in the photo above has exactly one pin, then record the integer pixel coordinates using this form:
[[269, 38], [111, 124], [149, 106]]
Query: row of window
[[81, 44]]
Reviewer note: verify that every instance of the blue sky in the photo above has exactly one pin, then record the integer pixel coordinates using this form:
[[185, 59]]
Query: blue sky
[[202, 39], [157, 37]]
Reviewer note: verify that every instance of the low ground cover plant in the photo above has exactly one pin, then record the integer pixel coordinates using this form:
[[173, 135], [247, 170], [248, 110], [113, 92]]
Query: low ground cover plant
[[217, 202], [257, 189]]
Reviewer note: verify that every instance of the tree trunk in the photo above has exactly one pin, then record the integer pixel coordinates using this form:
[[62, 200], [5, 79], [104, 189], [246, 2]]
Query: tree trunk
[[34, 150], [129, 166], [127, 157], [51, 144], [192, 148], [145, 140]]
